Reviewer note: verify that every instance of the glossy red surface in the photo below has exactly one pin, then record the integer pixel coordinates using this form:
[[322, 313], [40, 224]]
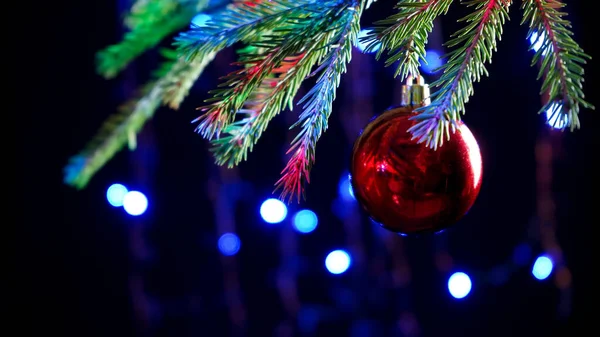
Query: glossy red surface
[[407, 187]]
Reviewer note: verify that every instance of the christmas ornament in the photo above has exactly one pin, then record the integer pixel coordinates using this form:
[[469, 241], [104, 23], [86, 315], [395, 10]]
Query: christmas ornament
[[406, 186]]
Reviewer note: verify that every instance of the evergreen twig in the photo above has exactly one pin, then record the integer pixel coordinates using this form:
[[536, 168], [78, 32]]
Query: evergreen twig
[[172, 83], [149, 22], [290, 35], [290, 51], [474, 45], [404, 34], [317, 106], [560, 59], [241, 22]]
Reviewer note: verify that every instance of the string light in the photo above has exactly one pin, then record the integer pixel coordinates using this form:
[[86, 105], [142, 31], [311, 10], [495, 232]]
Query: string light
[[273, 211], [229, 244], [362, 46], [115, 194], [337, 262], [305, 221], [433, 61], [200, 20], [135, 203], [459, 285], [542, 268]]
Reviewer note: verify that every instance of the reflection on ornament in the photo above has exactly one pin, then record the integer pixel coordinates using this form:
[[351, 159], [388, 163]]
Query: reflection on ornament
[[408, 187]]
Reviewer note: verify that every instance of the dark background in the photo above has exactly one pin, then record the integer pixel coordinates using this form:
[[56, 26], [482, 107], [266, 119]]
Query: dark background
[[83, 262]]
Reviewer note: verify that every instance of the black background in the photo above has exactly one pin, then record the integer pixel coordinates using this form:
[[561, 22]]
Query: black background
[[74, 253]]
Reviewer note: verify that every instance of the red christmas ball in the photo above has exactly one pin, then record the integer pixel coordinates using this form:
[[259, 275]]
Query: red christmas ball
[[407, 187]]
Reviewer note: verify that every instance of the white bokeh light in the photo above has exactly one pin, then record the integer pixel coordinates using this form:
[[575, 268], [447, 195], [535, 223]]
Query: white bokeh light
[[135, 203], [273, 211], [337, 262], [542, 268], [459, 285], [362, 46], [555, 118]]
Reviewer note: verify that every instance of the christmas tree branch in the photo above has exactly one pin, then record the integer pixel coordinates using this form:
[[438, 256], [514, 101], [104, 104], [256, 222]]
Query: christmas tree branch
[[317, 106], [240, 22], [172, 84], [560, 59], [404, 34], [149, 22], [117, 131], [263, 104], [306, 33], [466, 64], [178, 82]]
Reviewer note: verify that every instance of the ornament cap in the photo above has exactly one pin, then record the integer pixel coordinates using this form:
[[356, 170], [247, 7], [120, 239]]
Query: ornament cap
[[415, 92]]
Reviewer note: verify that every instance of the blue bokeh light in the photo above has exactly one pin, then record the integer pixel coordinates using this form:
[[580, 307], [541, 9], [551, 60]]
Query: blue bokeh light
[[135, 203], [542, 267], [345, 188], [459, 285], [115, 194], [433, 61], [229, 244], [200, 20], [305, 221], [362, 46], [555, 118], [537, 40], [273, 211], [337, 262]]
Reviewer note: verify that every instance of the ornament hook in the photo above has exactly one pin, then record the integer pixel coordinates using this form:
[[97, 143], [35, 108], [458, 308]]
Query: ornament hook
[[415, 92]]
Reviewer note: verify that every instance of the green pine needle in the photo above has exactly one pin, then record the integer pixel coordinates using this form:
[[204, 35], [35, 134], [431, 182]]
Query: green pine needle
[[177, 84], [404, 34], [474, 45], [560, 59], [149, 22], [240, 22]]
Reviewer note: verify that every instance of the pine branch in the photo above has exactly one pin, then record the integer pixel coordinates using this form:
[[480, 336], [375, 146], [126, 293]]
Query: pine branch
[[270, 79], [294, 34], [143, 12], [172, 83], [317, 106], [149, 23], [240, 22], [560, 59], [466, 64], [404, 34], [177, 86], [117, 131]]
